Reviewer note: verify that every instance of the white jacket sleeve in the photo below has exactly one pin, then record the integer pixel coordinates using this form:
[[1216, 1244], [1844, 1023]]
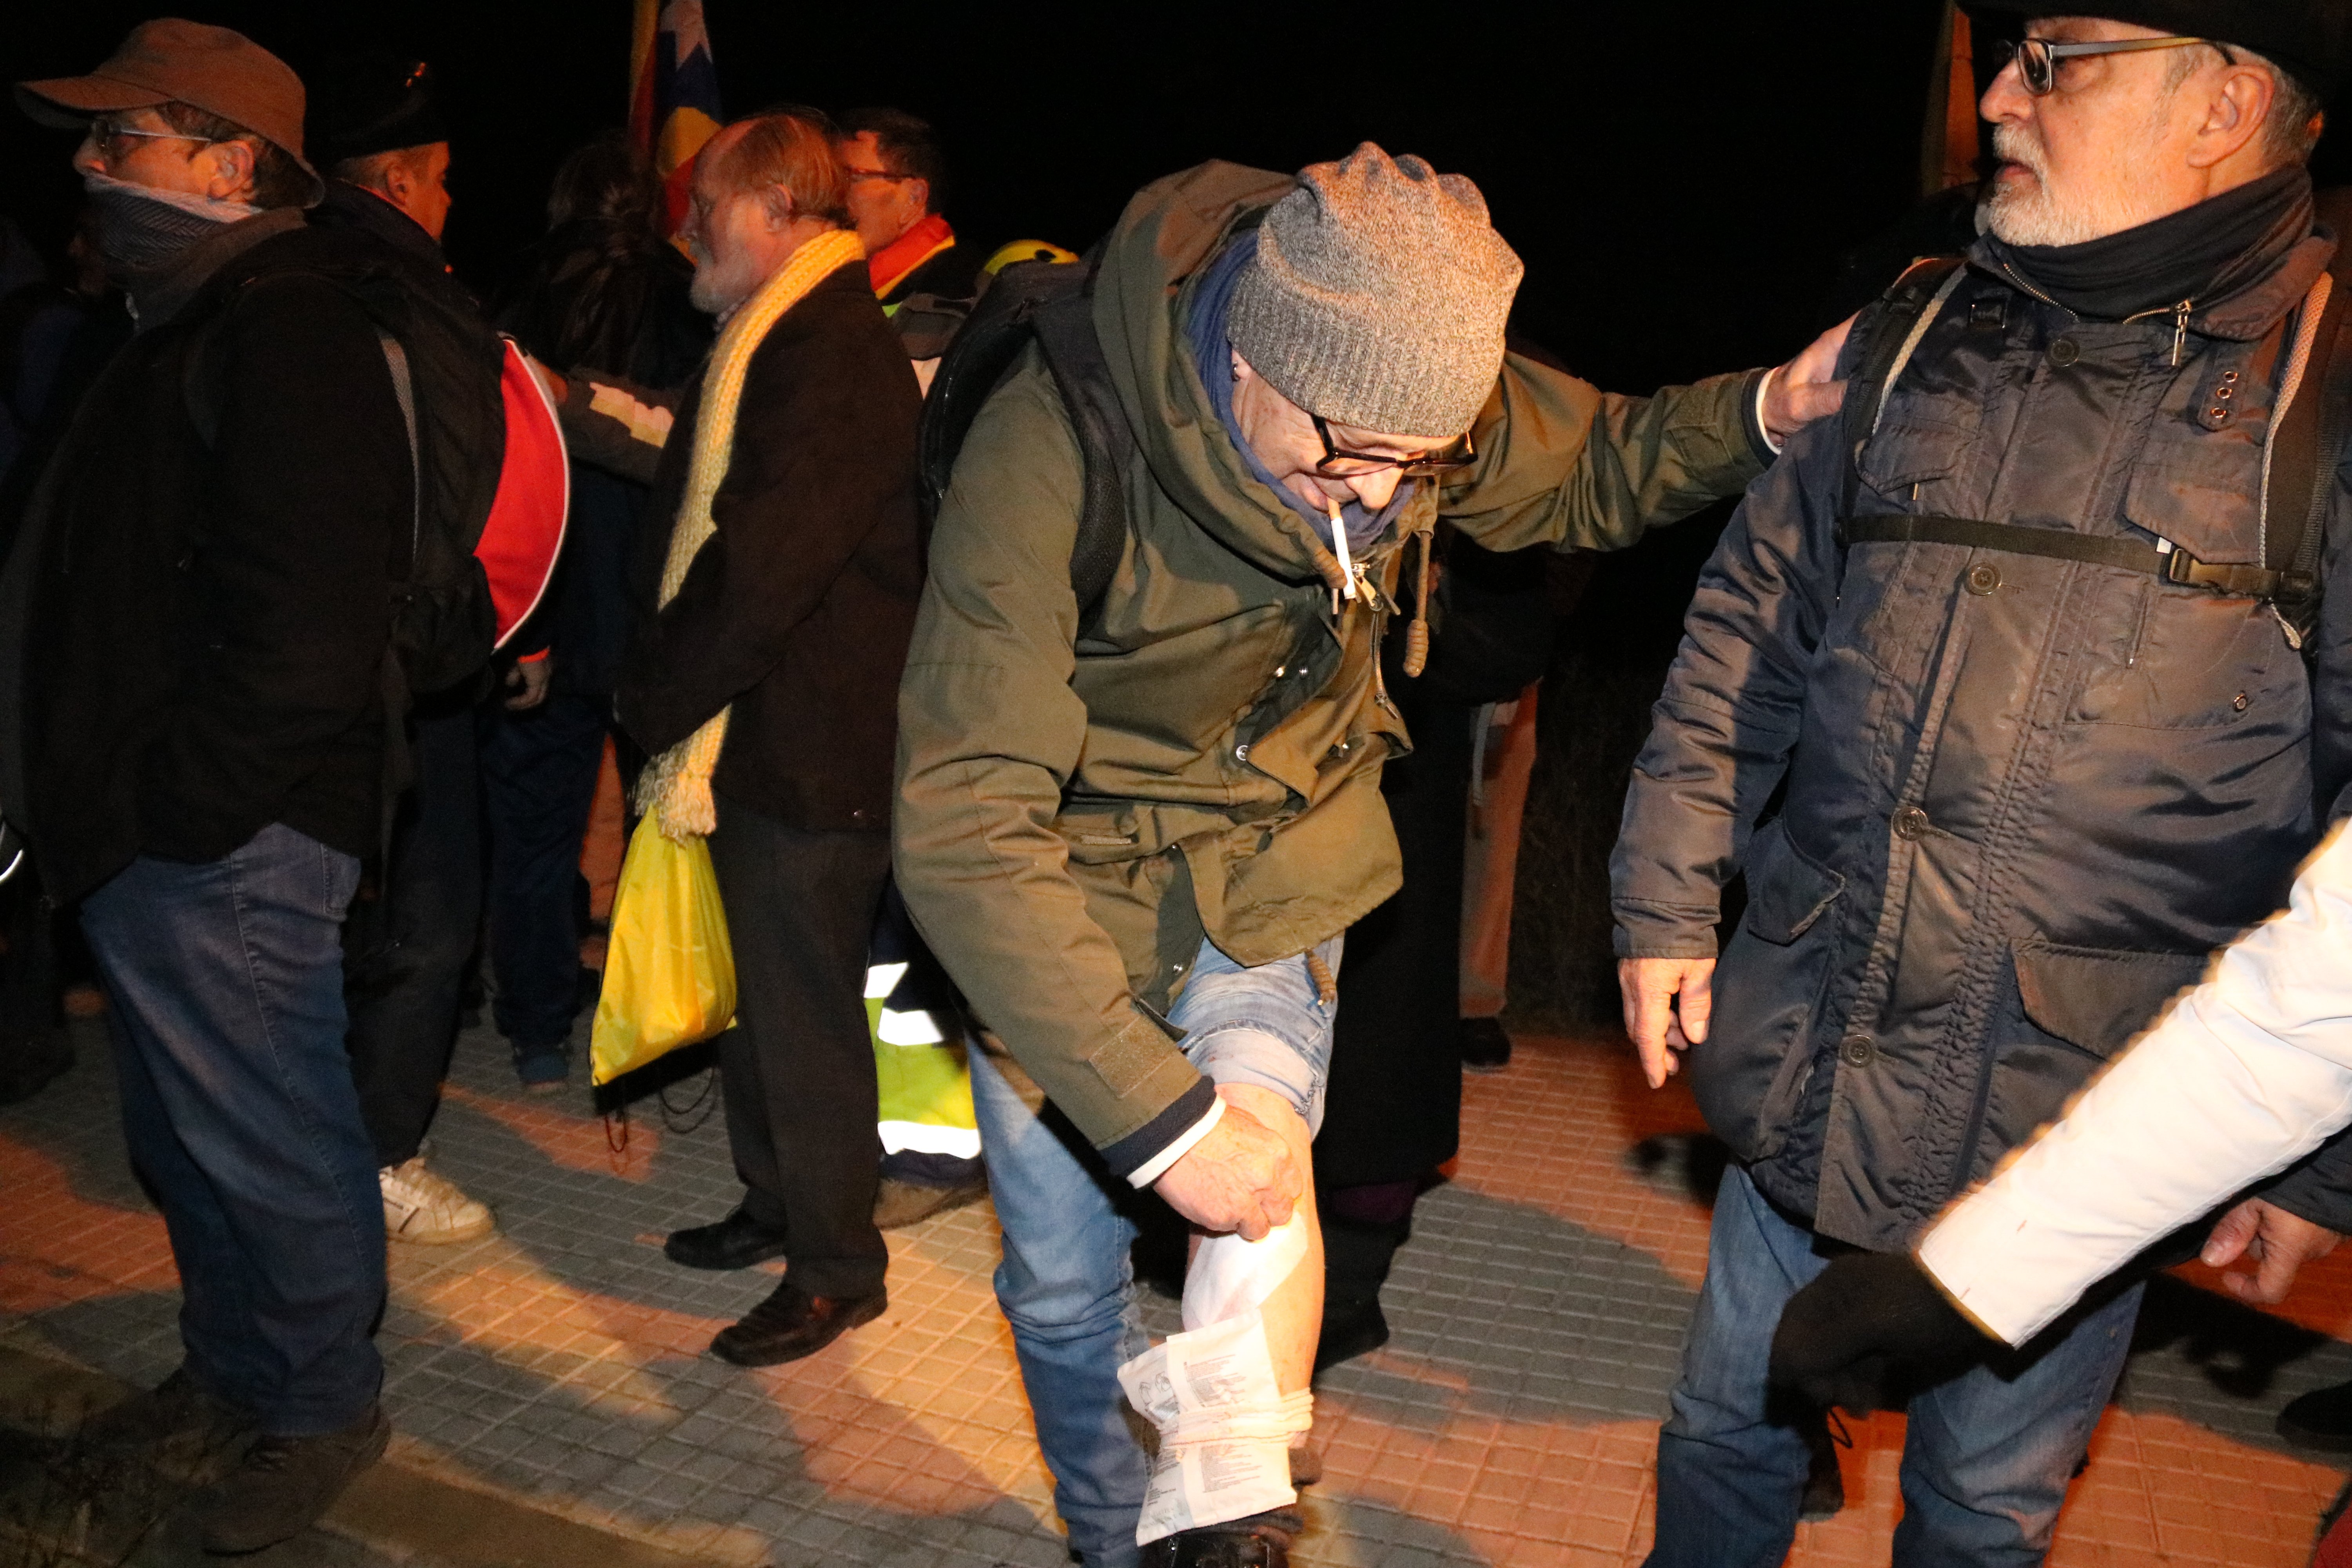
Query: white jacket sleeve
[[2246, 1074]]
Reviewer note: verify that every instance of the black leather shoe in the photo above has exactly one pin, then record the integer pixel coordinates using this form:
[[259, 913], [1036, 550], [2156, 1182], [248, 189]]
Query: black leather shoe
[[736, 1242], [180, 1427], [2321, 1420], [1261, 1540], [1485, 1046], [792, 1324]]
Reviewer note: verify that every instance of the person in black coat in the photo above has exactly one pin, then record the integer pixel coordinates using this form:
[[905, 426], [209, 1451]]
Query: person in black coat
[[792, 619], [1393, 1111], [409, 942], [194, 635], [601, 288]]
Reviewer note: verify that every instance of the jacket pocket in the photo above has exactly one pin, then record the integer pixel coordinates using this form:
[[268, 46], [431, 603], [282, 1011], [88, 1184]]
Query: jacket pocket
[[1750, 1073], [1788, 890], [2188, 660], [2096, 999]]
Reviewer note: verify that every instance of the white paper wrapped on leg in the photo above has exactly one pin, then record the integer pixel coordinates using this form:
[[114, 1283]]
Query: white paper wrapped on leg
[[1225, 1427], [1229, 1276]]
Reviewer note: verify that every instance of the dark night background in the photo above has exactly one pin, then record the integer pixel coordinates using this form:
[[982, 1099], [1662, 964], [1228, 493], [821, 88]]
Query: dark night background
[[1682, 180]]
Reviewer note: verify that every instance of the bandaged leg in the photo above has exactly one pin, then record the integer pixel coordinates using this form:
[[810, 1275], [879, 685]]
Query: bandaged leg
[[1229, 1395], [1225, 1425]]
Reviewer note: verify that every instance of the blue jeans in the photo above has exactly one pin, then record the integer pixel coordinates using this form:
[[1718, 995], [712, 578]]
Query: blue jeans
[[1988, 1458], [225, 990], [1067, 1284]]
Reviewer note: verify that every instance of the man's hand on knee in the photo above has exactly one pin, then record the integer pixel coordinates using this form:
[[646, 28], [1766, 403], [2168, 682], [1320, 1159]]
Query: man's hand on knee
[[1242, 1177]]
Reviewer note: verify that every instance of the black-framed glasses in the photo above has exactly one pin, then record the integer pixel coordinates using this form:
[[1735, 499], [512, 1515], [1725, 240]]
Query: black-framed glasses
[[113, 139], [2038, 59], [858, 175], [1338, 463]]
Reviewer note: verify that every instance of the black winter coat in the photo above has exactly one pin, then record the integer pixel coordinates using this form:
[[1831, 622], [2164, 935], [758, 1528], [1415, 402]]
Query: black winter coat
[[195, 630], [799, 608], [1392, 1111], [2025, 797]]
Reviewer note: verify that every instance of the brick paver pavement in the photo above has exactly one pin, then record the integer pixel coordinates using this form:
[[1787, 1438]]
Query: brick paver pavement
[[1538, 1314]]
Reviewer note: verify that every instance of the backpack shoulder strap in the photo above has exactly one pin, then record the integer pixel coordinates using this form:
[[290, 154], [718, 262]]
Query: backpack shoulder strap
[[1904, 314], [1049, 304], [2306, 449], [1066, 331]]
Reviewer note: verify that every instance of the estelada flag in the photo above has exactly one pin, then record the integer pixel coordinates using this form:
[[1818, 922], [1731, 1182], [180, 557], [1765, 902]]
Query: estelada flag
[[673, 96]]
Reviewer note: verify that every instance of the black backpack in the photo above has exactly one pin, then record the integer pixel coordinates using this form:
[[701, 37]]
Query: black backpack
[[446, 362], [1051, 305]]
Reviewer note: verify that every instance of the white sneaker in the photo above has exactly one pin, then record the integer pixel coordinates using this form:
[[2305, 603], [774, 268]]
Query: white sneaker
[[421, 1206]]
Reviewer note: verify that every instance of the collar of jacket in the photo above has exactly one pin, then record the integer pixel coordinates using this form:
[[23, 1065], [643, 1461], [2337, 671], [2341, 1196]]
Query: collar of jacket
[[1151, 262], [888, 267], [347, 206], [157, 301], [2255, 295]]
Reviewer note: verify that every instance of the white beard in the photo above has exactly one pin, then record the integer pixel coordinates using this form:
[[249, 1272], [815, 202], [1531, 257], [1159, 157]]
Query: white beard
[[2031, 214]]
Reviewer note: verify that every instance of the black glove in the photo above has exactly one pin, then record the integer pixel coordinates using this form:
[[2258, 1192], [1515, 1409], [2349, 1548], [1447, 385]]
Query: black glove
[[1869, 1332]]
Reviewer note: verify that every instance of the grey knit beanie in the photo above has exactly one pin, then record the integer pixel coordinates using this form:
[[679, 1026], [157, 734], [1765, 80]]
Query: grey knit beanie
[[1378, 296]]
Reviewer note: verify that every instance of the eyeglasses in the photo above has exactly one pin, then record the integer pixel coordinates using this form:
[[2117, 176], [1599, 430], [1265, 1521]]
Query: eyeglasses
[[858, 175], [2037, 59], [110, 138], [1338, 463]]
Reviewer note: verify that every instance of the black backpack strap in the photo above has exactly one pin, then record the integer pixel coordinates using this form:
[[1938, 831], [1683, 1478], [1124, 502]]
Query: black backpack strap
[[1066, 331], [2305, 450], [1905, 313], [1049, 304]]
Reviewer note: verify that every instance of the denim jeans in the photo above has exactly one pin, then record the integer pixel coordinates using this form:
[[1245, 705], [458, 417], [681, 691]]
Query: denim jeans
[[1067, 1283], [539, 781], [1988, 1458], [225, 990]]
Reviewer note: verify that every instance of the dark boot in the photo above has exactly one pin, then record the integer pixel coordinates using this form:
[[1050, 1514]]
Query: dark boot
[[180, 1427], [1484, 1046], [284, 1485], [1356, 1259], [2320, 1420], [1261, 1540]]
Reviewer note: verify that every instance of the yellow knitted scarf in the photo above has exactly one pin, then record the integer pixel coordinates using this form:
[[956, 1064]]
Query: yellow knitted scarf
[[677, 787]]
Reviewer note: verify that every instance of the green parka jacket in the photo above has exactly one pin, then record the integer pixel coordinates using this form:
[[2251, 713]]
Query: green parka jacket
[[1079, 804]]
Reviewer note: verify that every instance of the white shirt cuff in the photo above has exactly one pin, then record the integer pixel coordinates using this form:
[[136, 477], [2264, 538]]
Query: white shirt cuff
[[1762, 387], [1152, 1170]]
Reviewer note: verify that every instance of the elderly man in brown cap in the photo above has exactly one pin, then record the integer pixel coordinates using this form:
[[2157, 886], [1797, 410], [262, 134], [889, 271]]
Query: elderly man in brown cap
[[1135, 821], [193, 631]]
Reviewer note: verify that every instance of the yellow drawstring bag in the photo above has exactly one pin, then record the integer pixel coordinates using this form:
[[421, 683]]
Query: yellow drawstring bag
[[670, 971]]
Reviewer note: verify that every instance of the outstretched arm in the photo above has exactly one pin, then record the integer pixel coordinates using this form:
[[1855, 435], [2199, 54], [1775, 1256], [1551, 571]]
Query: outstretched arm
[[1562, 463]]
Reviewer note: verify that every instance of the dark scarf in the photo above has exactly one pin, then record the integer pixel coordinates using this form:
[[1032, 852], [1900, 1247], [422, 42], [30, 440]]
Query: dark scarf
[[1204, 328], [141, 230], [158, 294], [2201, 253]]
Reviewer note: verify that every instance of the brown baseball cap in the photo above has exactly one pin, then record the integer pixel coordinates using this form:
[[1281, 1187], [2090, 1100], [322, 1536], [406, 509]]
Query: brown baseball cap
[[173, 61]]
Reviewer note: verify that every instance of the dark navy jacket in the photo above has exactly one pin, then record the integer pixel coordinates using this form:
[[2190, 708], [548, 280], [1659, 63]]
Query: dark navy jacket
[[2025, 797]]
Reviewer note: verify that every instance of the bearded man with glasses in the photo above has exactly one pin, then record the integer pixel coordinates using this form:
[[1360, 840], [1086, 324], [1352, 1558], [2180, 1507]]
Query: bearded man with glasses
[[2051, 704], [1135, 825]]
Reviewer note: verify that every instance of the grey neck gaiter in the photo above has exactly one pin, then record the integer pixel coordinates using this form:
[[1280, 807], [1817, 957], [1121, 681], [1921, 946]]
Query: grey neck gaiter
[[141, 231]]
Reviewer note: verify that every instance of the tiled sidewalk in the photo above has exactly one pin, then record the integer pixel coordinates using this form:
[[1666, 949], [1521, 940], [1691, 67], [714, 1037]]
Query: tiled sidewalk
[[1538, 1314]]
